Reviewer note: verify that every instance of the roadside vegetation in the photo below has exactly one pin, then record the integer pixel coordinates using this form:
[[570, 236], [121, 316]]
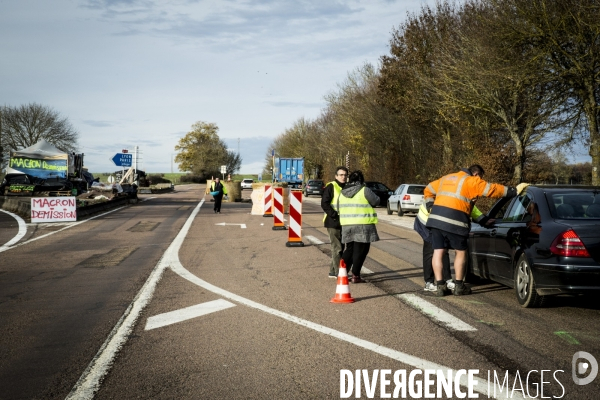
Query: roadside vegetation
[[512, 85]]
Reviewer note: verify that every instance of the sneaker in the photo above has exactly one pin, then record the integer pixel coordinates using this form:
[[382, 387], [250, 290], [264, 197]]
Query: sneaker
[[357, 279], [332, 275], [461, 290], [430, 287], [440, 290], [450, 284]]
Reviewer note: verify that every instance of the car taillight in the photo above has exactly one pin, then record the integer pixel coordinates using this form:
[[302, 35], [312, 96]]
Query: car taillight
[[406, 197], [568, 244]]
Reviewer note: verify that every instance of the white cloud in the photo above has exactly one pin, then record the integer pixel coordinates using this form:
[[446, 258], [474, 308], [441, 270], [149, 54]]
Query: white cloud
[[141, 72]]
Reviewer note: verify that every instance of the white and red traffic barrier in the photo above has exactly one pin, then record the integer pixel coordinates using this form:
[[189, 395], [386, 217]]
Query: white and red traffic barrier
[[278, 209], [268, 201], [295, 224]]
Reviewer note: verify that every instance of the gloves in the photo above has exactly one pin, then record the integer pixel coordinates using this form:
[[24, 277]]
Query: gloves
[[521, 187], [429, 206]]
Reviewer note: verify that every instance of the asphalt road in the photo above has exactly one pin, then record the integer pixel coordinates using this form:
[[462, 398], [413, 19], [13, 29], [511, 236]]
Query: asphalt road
[[167, 300]]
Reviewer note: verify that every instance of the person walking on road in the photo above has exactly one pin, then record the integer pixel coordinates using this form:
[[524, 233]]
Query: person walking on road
[[449, 202], [217, 186], [358, 219], [331, 219]]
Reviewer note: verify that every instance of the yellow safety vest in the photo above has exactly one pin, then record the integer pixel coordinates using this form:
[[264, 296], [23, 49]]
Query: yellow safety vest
[[337, 189], [356, 210], [212, 187], [422, 215]]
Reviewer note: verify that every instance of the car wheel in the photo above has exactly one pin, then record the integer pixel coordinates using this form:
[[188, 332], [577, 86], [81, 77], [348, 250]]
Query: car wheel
[[400, 212], [525, 285], [389, 210], [305, 194]]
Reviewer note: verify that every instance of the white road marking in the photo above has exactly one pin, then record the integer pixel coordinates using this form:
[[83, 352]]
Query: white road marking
[[435, 313], [90, 380], [313, 240], [243, 226], [20, 233], [184, 314]]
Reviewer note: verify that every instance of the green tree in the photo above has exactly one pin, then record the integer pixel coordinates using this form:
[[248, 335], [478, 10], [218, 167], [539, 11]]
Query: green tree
[[202, 152]]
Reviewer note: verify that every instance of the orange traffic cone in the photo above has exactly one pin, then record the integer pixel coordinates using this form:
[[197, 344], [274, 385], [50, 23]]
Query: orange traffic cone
[[342, 291]]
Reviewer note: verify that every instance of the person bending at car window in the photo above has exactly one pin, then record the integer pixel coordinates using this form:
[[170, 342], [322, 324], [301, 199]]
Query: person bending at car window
[[358, 219], [217, 186], [331, 219], [421, 228], [448, 201]]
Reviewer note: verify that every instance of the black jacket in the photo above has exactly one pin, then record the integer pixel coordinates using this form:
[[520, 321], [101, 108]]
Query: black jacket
[[332, 220]]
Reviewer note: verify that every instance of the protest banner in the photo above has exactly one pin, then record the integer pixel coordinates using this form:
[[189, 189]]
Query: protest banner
[[53, 209]]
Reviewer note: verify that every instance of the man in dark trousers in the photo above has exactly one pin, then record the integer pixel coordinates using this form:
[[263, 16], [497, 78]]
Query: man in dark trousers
[[331, 219], [217, 186]]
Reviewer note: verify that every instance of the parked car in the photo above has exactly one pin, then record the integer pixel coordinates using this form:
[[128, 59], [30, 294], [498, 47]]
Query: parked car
[[406, 198], [314, 186], [546, 241], [380, 190], [247, 183]]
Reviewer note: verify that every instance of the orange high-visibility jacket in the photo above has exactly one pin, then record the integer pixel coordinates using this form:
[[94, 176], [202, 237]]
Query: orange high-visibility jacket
[[452, 195]]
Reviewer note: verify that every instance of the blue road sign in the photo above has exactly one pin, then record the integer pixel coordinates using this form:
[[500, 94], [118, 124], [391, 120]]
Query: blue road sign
[[123, 160]]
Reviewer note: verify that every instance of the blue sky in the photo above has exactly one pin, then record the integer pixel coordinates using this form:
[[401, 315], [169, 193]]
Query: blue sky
[[141, 72]]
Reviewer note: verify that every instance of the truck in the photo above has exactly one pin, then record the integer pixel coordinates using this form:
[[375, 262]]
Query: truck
[[290, 170], [44, 169]]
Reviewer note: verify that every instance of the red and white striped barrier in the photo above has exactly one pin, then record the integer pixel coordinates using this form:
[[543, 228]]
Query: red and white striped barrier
[[268, 201], [295, 224], [278, 209]]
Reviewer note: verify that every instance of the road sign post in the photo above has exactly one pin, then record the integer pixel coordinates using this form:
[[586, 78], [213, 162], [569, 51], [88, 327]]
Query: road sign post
[[122, 160]]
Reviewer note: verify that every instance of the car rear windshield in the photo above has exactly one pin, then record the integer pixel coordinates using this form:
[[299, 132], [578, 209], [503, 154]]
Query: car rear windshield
[[315, 182], [574, 204], [415, 190]]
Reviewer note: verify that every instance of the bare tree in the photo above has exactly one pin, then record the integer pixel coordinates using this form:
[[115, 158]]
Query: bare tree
[[25, 125], [566, 34]]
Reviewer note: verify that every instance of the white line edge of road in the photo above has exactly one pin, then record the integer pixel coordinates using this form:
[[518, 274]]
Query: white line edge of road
[[22, 231], [8, 245], [89, 381], [4, 248]]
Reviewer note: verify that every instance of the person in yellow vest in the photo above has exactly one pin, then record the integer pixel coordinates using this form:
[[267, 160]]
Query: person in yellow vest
[[331, 219], [217, 186], [356, 207], [419, 226]]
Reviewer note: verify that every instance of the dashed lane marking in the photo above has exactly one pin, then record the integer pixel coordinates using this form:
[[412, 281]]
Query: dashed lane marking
[[184, 314], [435, 312], [313, 240]]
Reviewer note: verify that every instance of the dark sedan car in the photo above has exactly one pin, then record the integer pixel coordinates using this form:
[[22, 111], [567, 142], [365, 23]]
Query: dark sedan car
[[546, 241], [380, 190], [314, 186]]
